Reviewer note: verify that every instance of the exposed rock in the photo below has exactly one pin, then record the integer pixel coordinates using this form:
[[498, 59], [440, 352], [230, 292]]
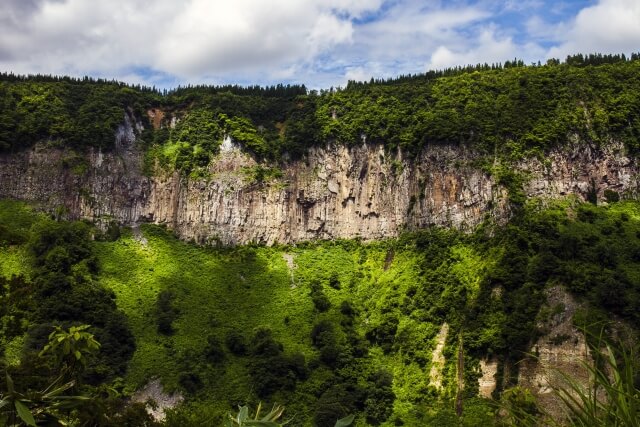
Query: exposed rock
[[437, 358], [581, 168], [138, 236], [487, 382], [156, 400], [291, 265], [561, 349], [334, 192]]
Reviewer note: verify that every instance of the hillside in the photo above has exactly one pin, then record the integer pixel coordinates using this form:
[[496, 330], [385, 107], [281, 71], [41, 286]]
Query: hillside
[[234, 165], [531, 107], [392, 250], [245, 324]]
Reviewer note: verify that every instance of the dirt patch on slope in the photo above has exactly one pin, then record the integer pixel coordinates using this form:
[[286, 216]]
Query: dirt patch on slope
[[156, 400]]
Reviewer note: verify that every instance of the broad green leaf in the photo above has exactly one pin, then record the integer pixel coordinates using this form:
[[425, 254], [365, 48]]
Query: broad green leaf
[[243, 414], [275, 413], [261, 423], [69, 402], [24, 413], [56, 391], [10, 388], [346, 421]]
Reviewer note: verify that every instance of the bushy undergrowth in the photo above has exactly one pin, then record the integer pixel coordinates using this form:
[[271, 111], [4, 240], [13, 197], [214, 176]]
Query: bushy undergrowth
[[353, 333]]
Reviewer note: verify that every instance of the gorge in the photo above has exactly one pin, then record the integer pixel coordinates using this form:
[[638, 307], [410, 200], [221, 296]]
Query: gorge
[[425, 250]]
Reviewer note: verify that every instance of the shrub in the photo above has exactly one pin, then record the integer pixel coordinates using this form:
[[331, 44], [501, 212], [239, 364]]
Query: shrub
[[384, 334], [280, 372], [213, 352], [113, 232], [190, 382], [324, 336], [320, 300], [347, 309], [380, 397], [334, 280], [236, 342], [263, 344], [165, 312], [611, 196], [336, 402]]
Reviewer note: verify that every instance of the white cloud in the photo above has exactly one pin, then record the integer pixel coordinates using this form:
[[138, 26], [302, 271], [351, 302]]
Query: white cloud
[[538, 29], [353, 8], [317, 42], [611, 26], [522, 5], [80, 37], [486, 48], [402, 41], [194, 39]]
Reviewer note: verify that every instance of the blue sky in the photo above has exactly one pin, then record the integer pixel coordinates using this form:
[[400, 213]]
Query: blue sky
[[320, 43]]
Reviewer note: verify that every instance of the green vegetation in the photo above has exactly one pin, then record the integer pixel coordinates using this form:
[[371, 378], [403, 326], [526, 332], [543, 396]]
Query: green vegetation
[[612, 396], [511, 110], [55, 284], [65, 112], [352, 333]]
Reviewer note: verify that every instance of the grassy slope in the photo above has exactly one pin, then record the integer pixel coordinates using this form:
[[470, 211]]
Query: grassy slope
[[245, 288], [217, 290], [16, 219]]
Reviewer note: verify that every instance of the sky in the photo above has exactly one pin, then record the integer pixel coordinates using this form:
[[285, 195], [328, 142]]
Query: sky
[[319, 43]]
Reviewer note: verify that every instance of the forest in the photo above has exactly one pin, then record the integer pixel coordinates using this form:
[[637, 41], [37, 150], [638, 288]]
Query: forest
[[329, 329], [510, 109], [350, 331]]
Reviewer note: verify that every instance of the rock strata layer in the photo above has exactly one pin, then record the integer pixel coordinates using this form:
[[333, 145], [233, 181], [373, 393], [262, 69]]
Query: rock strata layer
[[334, 192]]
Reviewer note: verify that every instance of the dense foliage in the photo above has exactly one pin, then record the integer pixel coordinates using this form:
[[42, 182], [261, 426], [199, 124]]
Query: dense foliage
[[74, 113], [352, 327], [60, 290], [510, 109], [351, 332]]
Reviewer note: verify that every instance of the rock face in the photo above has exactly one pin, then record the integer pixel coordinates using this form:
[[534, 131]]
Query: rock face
[[562, 348], [160, 401], [487, 381], [334, 192], [437, 358]]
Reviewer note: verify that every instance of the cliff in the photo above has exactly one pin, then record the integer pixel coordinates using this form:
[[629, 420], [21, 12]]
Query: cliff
[[333, 192]]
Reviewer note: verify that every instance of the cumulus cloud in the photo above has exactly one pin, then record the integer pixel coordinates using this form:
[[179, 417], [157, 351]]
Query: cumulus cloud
[[317, 42], [79, 37], [487, 47], [213, 38], [403, 39], [190, 40], [610, 26]]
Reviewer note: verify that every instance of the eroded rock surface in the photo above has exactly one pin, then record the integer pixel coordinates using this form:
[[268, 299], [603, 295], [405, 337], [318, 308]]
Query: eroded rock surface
[[334, 192], [156, 400], [487, 382], [561, 351], [437, 357]]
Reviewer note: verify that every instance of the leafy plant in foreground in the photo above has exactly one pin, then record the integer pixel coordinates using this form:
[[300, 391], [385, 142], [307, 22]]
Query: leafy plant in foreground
[[69, 349], [44, 406], [270, 420], [242, 418], [611, 397]]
